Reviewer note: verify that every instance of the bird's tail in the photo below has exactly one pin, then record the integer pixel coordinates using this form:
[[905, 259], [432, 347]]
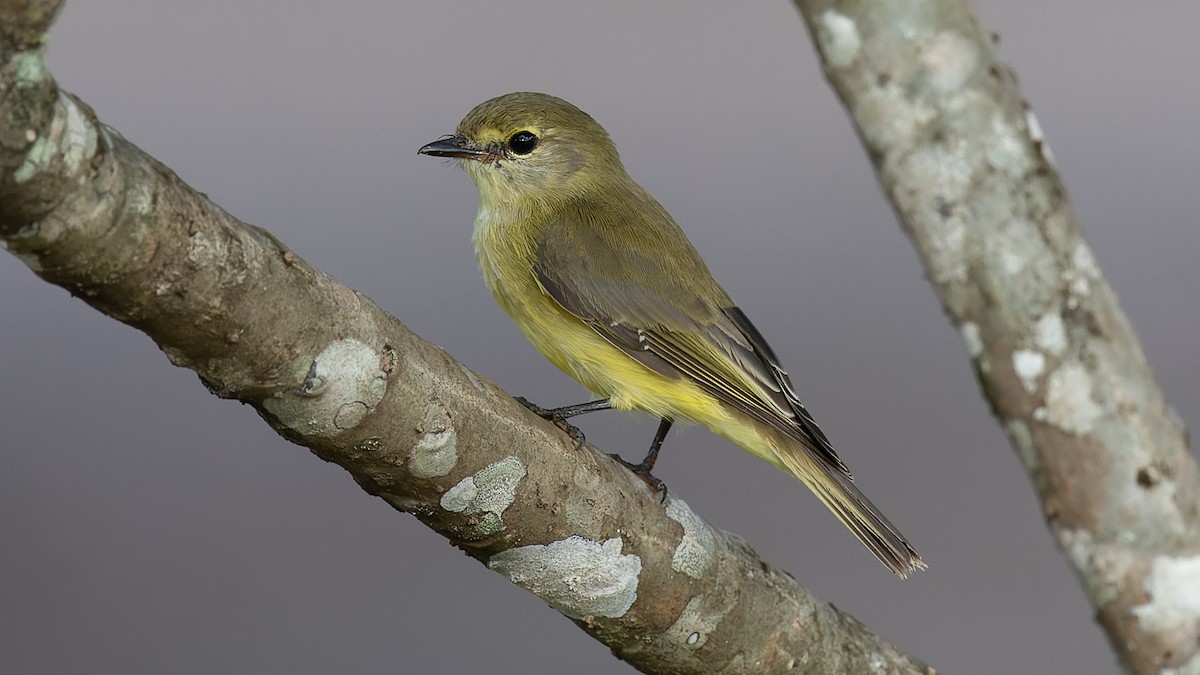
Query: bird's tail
[[837, 491]]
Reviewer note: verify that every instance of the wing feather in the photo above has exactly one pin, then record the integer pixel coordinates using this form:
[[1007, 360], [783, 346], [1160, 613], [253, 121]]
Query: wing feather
[[660, 305]]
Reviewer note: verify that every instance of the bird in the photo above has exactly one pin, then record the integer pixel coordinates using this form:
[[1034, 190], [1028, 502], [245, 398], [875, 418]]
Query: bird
[[606, 285]]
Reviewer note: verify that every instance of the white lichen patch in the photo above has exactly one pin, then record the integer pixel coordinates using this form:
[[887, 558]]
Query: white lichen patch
[[37, 158], [1078, 546], [887, 118], [202, 248], [947, 245], [436, 452], [950, 59], [30, 67], [1085, 262], [970, 335], [490, 491], [1080, 274], [1102, 568], [1050, 334], [934, 180], [79, 138], [839, 38], [343, 385], [1028, 366], [1173, 585], [1037, 136], [698, 547], [576, 576], [69, 134], [1011, 261], [1007, 150], [1069, 402]]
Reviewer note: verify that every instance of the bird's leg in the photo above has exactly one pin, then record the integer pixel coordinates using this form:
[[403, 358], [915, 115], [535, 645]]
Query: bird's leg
[[643, 468], [651, 457], [559, 416]]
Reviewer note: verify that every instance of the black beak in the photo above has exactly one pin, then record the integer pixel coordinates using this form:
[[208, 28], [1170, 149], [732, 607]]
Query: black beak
[[454, 146]]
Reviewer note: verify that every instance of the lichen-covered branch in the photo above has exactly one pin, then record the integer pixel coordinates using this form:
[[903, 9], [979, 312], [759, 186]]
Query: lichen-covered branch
[[321, 363], [961, 157]]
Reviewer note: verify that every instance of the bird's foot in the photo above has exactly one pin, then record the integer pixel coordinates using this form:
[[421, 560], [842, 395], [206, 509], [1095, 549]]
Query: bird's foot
[[556, 416], [643, 471]]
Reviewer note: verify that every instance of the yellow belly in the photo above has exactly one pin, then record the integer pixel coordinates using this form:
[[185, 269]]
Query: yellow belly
[[603, 368]]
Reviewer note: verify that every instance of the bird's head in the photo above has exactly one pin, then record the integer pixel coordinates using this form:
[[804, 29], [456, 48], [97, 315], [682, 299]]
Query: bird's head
[[527, 146]]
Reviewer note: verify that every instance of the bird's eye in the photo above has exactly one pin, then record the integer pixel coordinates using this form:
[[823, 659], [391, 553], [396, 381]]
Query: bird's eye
[[523, 142]]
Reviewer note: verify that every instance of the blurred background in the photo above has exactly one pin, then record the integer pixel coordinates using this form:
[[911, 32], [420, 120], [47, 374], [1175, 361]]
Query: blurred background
[[150, 527]]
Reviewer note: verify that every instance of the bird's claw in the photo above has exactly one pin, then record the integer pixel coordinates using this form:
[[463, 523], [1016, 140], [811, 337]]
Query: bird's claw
[[552, 415], [643, 472]]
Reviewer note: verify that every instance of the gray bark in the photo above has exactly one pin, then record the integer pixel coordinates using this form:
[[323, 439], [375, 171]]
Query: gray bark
[[959, 153]]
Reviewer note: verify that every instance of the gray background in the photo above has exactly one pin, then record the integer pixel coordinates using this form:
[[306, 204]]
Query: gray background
[[149, 527]]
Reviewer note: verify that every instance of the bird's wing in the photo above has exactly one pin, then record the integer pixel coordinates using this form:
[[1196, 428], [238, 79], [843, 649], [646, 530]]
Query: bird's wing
[[658, 303]]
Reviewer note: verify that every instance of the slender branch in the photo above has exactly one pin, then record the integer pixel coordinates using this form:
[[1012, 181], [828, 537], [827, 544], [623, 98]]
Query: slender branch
[[961, 157], [327, 369]]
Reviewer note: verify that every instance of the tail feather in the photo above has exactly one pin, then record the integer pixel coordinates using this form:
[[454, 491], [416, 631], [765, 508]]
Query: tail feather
[[838, 492]]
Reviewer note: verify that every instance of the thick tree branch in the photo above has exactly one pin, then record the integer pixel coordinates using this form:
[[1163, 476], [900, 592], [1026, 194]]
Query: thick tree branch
[[87, 210], [961, 157]]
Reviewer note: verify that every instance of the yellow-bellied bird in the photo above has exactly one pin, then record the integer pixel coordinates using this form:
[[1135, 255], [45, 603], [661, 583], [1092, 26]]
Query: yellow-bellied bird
[[606, 285]]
